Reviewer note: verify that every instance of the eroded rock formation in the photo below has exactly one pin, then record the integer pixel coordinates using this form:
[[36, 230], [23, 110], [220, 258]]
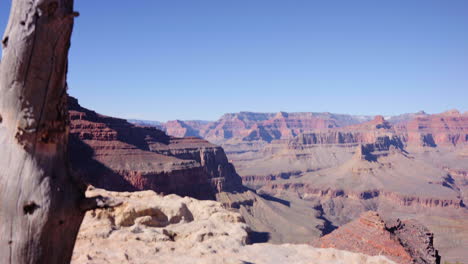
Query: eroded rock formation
[[446, 129], [148, 228], [404, 242]]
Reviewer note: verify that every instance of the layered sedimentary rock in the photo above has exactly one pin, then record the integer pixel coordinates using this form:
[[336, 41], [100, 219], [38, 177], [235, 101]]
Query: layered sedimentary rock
[[446, 129], [449, 128], [306, 152], [148, 228], [404, 242], [383, 176], [380, 170], [248, 126], [114, 154], [179, 128], [322, 149]]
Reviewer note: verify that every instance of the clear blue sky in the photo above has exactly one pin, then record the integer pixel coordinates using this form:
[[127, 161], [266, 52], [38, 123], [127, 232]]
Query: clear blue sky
[[187, 59]]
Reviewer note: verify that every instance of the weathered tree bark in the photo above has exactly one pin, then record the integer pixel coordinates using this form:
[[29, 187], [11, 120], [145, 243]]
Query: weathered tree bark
[[40, 212]]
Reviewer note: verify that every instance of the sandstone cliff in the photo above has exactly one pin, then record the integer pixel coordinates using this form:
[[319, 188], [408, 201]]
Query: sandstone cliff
[[148, 228]]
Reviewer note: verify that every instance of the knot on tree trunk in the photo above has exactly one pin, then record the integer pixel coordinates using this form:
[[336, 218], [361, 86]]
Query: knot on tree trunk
[[30, 207]]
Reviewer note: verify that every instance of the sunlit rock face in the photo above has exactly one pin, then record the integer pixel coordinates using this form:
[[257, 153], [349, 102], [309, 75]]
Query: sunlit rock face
[[150, 228], [404, 242]]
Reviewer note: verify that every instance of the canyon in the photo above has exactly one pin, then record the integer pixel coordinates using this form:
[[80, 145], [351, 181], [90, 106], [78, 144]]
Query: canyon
[[80, 187], [115, 155], [291, 177], [412, 166]]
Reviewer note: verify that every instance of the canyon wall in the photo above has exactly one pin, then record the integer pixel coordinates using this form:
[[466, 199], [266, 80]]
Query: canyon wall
[[112, 153], [448, 128], [248, 126], [115, 155]]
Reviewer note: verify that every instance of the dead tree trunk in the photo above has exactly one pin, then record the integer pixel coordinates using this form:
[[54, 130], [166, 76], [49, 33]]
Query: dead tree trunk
[[40, 211]]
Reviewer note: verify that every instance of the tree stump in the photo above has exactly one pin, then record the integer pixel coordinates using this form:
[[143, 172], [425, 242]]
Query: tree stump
[[40, 212]]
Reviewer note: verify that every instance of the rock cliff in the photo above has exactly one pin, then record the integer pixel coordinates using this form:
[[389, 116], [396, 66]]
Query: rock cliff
[[446, 129], [112, 153], [149, 228]]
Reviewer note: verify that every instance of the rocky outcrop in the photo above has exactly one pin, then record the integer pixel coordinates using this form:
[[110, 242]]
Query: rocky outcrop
[[181, 129], [149, 228], [404, 242], [382, 147], [114, 154]]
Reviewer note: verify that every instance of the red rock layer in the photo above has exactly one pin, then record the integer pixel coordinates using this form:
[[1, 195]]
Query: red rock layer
[[364, 133], [446, 129], [247, 126], [179, 128], [308, 191], [113, 154], [404, 242]]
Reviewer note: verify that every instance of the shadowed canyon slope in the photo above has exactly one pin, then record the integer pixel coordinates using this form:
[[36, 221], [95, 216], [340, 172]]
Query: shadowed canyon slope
[[112, 153]]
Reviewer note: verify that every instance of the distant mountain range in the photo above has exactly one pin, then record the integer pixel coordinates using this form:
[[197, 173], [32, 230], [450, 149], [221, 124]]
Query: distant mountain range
[[251, 126]]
